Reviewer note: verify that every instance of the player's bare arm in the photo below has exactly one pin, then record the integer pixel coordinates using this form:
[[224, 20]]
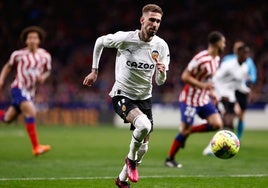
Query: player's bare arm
[[42, 78], [187, 77], [5, 71]]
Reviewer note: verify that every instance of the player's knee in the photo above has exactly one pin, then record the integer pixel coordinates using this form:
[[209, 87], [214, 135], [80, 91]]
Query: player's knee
[[217, 126], [143, 124], [6, 120]]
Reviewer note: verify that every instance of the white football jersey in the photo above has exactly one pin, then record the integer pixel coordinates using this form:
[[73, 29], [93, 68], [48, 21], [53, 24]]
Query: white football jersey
[[230, 77], [135, 66]]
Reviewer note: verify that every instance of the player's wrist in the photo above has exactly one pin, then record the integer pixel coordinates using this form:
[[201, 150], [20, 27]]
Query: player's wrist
[[95, 70]]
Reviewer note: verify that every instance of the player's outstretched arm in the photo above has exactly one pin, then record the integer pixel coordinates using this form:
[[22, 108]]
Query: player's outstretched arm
[[5, 71]]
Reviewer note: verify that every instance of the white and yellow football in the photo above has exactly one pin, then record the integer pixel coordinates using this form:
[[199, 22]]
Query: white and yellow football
[[225, 144]]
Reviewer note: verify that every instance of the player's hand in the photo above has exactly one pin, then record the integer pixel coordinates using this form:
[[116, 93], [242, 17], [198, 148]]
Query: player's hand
[[40, 79], [160, 66], [207, 85], [90, 78], [213, 97]]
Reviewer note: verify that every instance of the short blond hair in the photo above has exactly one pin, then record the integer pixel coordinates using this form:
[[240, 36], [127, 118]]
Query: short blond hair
[[152, 8]]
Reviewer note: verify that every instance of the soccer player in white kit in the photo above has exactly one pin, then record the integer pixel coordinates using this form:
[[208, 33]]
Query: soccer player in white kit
[[229, 78], [33, 66], [140, 55], [242, 96]]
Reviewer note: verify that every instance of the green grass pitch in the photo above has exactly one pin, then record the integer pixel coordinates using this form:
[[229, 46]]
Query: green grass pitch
[[93, 157]]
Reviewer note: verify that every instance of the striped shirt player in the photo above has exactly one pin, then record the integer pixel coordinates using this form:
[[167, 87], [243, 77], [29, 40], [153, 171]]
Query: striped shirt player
[[203, 66], [141, 56], [33, 66], [195, 97], [29, 67]]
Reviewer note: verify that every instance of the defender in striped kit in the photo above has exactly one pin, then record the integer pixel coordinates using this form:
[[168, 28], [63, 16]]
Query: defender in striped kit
[[197, 96], [33, 66]]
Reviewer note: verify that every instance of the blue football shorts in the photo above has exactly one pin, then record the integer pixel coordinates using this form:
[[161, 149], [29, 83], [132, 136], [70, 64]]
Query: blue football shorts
[[17, 98], [188, 112]]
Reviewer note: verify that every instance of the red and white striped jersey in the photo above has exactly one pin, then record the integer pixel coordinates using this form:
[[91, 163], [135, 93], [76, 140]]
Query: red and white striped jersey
[[29, 67], [202, 67]]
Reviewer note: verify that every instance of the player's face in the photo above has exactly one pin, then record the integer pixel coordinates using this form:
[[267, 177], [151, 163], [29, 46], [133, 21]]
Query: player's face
[[221, 45], [242, 55], [32, 40], [150, 23]]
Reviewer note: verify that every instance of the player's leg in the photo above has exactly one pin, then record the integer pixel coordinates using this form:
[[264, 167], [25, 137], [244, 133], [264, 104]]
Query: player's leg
[[214, 120], [146, 108], [240, 124], [142, 128], [28, 110], [143, 149], [242, 100], [187, 118], [129, 111], [9, 115], [14, 110], [178, 142]]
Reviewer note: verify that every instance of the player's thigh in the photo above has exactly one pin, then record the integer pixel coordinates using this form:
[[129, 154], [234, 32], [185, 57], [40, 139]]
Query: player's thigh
[[187, 117], [242, 99], [125, 108], [132, 114], [215, 120], [28, 108]]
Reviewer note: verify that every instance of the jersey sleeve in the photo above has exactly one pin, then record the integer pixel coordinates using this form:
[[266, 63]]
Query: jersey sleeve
[[252, 70], [13, 58], [221, 72], [106, 41], [165, 58], [48, 62], [114, 40], [193, 64]]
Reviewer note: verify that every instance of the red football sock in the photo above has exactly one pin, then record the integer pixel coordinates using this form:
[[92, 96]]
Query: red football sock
[[32, 132], [174, 149]]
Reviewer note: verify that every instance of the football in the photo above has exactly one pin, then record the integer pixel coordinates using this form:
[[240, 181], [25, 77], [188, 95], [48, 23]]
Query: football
[[225, 144]]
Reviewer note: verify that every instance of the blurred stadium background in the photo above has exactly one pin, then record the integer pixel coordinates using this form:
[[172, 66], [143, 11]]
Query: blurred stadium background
[[73, 26]]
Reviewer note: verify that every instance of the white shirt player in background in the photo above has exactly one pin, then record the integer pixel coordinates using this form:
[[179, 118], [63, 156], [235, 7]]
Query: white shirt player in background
[[229, 78], [33, 66], [140, 55], [241, 96]]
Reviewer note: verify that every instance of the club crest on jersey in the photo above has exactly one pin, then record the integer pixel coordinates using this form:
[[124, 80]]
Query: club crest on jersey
[[124, 108], [155, 54]]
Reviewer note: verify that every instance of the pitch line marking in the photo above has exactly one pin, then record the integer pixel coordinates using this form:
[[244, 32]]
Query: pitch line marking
[[145, 177]]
